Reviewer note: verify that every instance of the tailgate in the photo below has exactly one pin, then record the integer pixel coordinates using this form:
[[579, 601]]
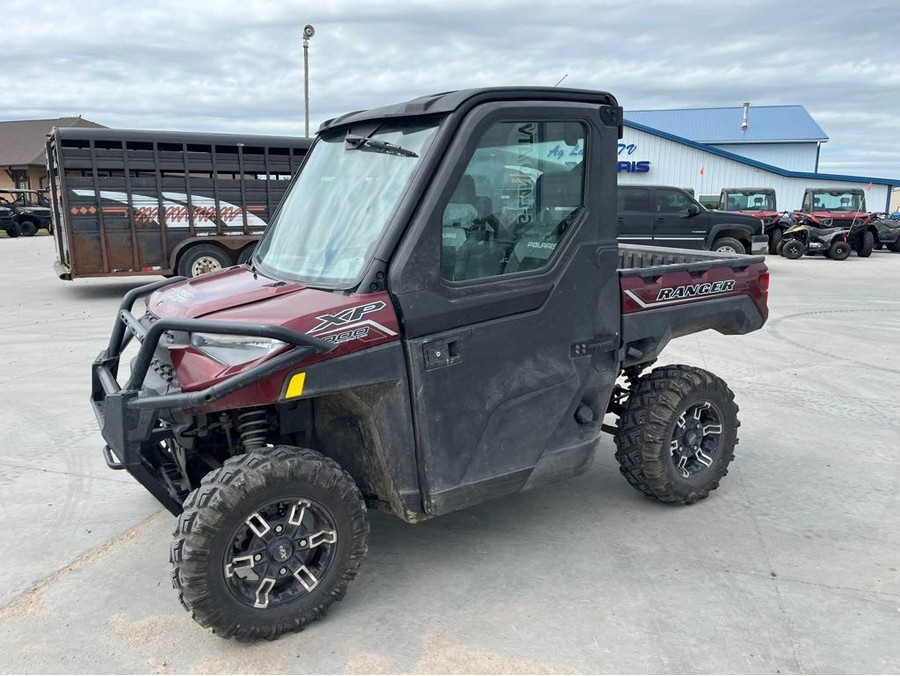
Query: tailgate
[[669, 293]]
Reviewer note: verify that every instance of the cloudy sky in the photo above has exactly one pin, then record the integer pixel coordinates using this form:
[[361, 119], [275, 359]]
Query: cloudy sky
[[237, 66]]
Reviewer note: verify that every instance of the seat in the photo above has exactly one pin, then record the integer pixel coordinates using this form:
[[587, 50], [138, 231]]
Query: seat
[[459, 217]]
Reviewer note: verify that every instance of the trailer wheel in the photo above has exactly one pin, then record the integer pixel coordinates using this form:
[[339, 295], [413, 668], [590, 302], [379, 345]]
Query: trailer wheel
[[246, 254], [867, 246], [728, 245], [201, 259], [268, 542], [793, 249], [839, 251], [774, 240], [27, 228], [677, 434]]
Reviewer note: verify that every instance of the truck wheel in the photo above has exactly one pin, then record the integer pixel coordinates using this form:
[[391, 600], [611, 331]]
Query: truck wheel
[[728, 245], [268, 542], [201, 259], [868, 245], [775, 240], [677, 434], [839, 251], [246, 254], [27, 228], [793, 249]]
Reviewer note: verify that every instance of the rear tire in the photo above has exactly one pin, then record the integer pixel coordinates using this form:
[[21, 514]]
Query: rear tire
[[28, 228], [677, 434], [839, 251], [779, 249], [12, 230], [243, 557], [894, 246], [728, 245], [201, 259], [867, 246], [793, 249], [246, 254]]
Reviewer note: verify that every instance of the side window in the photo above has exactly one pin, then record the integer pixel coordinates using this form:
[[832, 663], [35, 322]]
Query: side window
[[634, 199], [671, 201], [519, 195]]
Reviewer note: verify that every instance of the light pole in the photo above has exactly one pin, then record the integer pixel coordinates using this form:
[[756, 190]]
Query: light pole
[[308, 32]]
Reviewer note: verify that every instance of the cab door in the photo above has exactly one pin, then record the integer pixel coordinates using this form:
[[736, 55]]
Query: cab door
[[633, 215], [678, 221], [506, 343]]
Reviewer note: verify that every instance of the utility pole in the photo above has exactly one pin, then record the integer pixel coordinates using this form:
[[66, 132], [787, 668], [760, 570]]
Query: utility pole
[[308, 32]]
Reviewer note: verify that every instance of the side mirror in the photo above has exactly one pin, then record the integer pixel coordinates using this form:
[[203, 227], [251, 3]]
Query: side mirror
[[692, 210]]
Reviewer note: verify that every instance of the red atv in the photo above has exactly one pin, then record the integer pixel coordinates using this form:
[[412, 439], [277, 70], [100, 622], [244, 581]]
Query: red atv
[[837, 208]]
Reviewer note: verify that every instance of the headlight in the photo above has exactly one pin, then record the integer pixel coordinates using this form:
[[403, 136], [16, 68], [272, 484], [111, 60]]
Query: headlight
[[234, 350]]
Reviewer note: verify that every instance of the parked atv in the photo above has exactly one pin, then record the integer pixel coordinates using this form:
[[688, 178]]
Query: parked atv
[[30, 210], [888, 232], [806, 239]]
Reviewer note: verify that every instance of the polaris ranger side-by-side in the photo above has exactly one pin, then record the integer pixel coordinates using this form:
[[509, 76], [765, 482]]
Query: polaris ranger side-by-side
[[758, 202], [840, 208], [29, 210], [438, 315]]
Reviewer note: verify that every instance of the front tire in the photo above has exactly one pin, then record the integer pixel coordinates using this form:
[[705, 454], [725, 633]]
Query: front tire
[[268, 542], [28, 228], [839, 251], [12, 230], [867, 246], [793, 249], [677, 434], [775, 239], [728, 245]]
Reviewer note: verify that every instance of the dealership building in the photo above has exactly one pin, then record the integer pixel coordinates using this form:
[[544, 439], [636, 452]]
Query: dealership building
[[707, 149]]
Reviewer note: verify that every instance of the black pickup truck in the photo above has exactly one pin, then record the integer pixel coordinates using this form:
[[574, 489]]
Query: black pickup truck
[[662, 215], [439, 314]]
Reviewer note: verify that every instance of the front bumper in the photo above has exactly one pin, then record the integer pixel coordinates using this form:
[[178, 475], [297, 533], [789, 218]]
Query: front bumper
[[129, 416], [759, 244]]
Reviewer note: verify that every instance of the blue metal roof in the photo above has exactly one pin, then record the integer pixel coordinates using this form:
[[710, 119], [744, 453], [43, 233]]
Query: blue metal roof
[[892, 182], [766, 124]]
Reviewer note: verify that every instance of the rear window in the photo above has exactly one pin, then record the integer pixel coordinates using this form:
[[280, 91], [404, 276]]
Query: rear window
[[633, 199]]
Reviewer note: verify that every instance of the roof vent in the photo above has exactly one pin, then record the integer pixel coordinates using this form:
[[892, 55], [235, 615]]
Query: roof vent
[[744, 124]]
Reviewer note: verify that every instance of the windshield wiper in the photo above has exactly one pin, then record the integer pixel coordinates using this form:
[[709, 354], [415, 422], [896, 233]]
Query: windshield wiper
[[365, 142]]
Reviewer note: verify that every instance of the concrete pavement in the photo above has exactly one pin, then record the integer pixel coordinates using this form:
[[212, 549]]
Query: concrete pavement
[[792, 566]]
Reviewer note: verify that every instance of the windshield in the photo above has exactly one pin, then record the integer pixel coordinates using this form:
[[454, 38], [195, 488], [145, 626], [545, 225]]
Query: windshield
[[338, 207], [835, 200], [749, 201]]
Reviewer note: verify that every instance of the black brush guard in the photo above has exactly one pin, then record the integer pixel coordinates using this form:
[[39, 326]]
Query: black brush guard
[[129, 417]]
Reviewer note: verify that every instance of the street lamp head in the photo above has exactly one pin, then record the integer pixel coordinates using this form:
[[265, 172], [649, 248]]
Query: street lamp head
[[308, 31]]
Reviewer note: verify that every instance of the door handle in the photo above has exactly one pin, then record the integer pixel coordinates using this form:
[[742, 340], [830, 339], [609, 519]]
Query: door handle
[[441, 353], [660, 219]]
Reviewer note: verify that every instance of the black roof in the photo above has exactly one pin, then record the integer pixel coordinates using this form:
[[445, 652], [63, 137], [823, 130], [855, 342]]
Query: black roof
[[837, 188], [447, 102], [202, 138], [748, 190]]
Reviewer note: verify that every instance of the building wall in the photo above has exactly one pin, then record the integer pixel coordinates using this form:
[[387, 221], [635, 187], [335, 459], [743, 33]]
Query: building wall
[[676, 164], [790, 156], [37, 178]]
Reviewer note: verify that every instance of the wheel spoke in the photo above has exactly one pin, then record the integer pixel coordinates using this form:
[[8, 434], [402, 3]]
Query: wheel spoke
[[262, 592], [682, 466], [699, 409], [239, 562], [673, 446], [305, 577], [703, 458], [322, 537], [298, 511], [712, 429], [258, 525], [681, 421]]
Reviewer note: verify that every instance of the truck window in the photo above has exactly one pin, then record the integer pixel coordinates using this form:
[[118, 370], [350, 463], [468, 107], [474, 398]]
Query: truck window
[[633, 199], [671, 201], [517, 198]]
